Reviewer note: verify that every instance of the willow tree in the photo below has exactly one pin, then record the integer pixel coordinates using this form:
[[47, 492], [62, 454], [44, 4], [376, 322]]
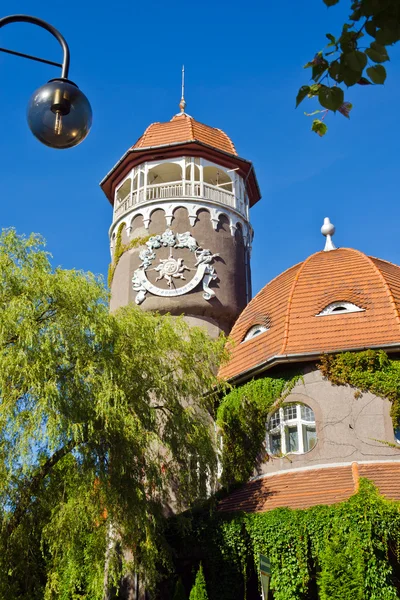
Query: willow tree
[[96, 425]]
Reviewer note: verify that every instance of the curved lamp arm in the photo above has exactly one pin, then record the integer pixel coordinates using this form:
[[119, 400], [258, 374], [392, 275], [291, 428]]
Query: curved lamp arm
[[40, 23]]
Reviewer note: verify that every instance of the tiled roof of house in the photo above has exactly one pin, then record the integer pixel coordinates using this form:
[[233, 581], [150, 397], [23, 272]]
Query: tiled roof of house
[[306, 488], [183, 128], [290, 302]]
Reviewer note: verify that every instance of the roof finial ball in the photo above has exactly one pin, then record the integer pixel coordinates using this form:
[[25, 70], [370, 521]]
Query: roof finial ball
[[328, 229]]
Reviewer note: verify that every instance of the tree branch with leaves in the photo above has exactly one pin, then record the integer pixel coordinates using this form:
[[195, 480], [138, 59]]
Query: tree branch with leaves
[[355, 57], [99, 413]]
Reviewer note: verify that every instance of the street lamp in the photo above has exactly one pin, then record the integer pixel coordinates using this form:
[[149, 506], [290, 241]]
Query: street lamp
[[58, 114]]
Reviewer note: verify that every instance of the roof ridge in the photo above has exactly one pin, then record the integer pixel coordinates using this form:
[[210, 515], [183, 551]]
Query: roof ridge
[[385, 283], [144, 133], [388, 262], [226, 135], [289, 304], [191, 127]]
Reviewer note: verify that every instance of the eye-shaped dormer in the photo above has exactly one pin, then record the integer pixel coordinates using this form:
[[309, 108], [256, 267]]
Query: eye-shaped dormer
[[340, 307]]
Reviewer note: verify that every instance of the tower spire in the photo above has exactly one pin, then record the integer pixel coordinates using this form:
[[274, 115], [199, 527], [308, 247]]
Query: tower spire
[[182, 103]]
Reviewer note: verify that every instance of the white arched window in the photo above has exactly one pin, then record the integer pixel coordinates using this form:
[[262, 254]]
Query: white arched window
[[254, 331], [336, 308], [291, 429]]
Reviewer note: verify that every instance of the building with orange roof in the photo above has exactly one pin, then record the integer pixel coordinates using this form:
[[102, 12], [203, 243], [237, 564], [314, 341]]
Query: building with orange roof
[[181, 239], [183, 188], [337, 300]]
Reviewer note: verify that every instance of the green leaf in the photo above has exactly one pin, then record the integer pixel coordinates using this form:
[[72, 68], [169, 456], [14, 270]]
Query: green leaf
[[331, 98], [303, 92], [377, 53], [356, 60], [364, 81], [345, 109], [370, 28], [350, 77], [332, 39], [330, 2], [377, 74], [348, 42], [319, 66], [387, 35], [314, 89], [356, 15], [319, 127], [335, 71]]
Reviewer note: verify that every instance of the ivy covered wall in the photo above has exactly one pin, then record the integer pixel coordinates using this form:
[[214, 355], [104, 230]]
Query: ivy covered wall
[[350, 550], [347, 551]]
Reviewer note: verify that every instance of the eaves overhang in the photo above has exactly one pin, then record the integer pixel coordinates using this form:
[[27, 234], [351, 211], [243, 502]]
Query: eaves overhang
[[279, 359], [135, 156]]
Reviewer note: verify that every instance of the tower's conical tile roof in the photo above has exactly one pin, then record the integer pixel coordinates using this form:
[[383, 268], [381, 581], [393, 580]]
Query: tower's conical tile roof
[[183, 128]]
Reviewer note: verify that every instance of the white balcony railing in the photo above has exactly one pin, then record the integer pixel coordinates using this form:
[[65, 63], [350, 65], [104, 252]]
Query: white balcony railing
[[173, 190]]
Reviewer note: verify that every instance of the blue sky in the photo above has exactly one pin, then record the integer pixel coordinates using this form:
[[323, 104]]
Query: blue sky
[[243, 69]]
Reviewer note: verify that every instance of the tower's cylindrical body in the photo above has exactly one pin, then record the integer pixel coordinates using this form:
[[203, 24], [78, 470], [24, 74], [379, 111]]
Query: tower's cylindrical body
[[181, 237]]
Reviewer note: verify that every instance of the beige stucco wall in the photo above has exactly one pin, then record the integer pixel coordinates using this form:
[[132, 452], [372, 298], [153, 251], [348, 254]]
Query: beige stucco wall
[[347, 428]]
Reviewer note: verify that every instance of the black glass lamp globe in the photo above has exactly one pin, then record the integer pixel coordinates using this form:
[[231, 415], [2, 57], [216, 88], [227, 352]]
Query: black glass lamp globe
[[59, 114]]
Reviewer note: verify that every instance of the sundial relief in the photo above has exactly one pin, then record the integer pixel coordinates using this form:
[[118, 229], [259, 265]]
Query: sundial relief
[[194, 268]]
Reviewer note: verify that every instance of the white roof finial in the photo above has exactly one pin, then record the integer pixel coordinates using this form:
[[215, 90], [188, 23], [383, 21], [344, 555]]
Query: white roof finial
[[182, 103], [328, 229]]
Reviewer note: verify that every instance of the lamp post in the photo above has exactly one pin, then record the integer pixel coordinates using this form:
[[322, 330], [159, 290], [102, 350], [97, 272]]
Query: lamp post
[[58, 113]]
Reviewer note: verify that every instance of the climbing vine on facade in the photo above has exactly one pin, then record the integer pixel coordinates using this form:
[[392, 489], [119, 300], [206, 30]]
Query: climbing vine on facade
[[242, 417], [343, 551], [120, 248]]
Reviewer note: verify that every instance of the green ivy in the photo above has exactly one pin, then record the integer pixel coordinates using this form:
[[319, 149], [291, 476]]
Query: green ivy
[[120, 248], [348, 550], [179, 593], [242, 417], [369, 371]]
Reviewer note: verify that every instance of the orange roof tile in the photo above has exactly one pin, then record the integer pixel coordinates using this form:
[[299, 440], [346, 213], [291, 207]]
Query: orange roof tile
[[292, 300], [183, 128], [303, 489]]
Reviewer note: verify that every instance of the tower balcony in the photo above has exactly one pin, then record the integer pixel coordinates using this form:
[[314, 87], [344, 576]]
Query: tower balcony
[[176, 189], [186, 180]]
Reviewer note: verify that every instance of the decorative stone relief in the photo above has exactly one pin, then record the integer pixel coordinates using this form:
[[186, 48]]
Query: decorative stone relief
[[171, 268]]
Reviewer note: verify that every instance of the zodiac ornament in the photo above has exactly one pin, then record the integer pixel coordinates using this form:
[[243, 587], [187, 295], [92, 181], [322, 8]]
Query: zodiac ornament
[[171, 268]]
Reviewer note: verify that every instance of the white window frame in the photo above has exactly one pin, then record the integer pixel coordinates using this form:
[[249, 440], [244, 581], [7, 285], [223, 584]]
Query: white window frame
[[255, 331], [283, 429], [348, 306]]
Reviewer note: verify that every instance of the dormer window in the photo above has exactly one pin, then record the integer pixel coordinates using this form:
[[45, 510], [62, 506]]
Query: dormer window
[[254, 331], [336, 308]]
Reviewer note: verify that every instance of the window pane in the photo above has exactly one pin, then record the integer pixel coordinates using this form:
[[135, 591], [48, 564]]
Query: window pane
[[274, 420], [309, 437], [275, 443], [290, 412], [397, 434], [307, 414], [293, 439]]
